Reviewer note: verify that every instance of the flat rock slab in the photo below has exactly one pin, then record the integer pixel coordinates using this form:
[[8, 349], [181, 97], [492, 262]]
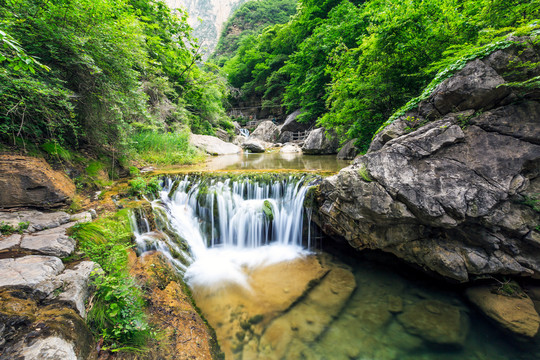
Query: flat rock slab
[[516, 314], [10, 242], [34, 272], [37, 220], [436, 322], [52, 242]]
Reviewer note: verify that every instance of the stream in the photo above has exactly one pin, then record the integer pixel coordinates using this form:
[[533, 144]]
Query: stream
[[273, 287]]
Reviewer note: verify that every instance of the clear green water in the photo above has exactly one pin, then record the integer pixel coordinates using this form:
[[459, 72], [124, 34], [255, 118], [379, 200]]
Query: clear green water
[[366, 329]]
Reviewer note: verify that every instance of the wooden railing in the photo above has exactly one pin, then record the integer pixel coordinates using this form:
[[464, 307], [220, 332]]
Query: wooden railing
[[300, 135]]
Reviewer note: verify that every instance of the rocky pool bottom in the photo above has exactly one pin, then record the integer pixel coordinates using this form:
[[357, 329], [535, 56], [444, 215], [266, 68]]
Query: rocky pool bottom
[[337, 306]]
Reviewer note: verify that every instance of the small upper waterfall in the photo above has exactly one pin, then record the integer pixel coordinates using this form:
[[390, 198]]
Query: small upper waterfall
[[228, 224]]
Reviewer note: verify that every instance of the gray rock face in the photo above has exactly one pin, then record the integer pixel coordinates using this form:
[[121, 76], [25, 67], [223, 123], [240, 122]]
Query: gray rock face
[[266, 131], [49, 348], [76, 285], [33, 272], [292, 125], [290, 148], [317, 143], [254, 145], [52, 242], [348, 151], [36, 220], [213, 146], [448, 194]]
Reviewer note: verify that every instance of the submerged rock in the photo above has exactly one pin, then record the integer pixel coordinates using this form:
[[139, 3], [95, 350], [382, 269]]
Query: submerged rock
[[514, 313], [436, 322], [31, 182], [213, 145]]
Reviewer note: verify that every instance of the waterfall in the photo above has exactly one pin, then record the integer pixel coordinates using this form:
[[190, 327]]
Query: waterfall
[[228, 225], [244, 132]]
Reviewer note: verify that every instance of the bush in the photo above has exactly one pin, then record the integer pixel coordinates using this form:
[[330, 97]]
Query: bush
[[117, 309]]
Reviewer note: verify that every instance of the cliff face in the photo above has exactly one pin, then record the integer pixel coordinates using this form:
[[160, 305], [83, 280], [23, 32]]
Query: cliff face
[[214, 13], [453, 185]]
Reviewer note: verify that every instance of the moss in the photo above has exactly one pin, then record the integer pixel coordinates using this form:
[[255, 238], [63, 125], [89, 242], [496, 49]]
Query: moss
[[364, 173], [268, 210]]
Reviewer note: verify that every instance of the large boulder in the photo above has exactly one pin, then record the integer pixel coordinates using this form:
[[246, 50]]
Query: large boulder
[[213, 145], [31, 182], [319, 142], [515, 313], [292, 125], [454, 194], [266, 131], [348, 151], [254, 146]]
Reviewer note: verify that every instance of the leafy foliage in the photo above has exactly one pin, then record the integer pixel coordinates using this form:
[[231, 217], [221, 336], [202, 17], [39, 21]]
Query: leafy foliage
[[89, 73], [350, 65], [117, 308]]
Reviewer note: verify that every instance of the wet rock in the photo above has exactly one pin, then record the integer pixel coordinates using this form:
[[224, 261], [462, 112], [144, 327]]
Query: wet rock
[[319, 143], [75, 287], [514, 313], [266, 131], [254, 145], [213, 145], [292, 125], [436, 322], [31, 182], [290, 148], [52, 242], [239, 140], [348, 151]]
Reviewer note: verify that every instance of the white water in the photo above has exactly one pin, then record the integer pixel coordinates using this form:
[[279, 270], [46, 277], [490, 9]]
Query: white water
[[226, 228]]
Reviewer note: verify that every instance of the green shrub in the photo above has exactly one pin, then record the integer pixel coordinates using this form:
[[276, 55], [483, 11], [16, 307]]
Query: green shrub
[[117, 310], [139, 186]]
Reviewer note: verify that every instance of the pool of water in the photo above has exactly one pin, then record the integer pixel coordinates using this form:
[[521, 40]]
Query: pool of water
[[366, 306], [271, 161]]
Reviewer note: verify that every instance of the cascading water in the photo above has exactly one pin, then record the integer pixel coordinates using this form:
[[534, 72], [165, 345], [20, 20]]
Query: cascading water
[[228, 225]]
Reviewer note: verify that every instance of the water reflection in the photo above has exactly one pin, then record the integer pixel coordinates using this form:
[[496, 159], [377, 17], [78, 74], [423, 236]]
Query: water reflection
[[276, 160]]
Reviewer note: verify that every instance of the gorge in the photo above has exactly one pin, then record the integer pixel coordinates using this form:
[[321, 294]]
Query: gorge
[[286, 197]]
